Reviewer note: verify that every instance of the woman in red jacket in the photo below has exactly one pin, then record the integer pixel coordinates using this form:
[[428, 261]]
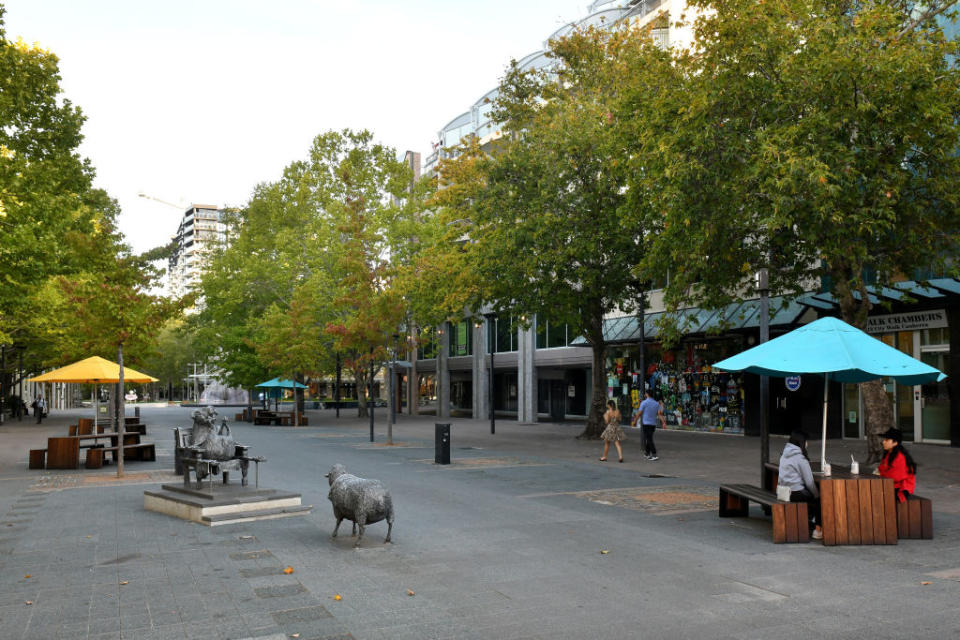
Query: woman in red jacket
[[897, 464]]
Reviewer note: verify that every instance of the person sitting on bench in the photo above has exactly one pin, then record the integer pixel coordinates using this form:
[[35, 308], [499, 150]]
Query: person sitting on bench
[[795, 473], [897, 464]]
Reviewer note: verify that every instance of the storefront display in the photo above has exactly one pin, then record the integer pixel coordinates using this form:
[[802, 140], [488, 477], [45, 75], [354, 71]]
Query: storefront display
[[694, 396]]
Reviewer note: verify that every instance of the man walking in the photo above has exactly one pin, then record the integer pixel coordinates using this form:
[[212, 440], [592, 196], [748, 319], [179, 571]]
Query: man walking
[[648, 414], [41, 408]]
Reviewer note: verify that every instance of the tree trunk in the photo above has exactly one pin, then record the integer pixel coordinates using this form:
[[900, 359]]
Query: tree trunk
[[595, 426], [878, 417], [877, 406], [121, 422]]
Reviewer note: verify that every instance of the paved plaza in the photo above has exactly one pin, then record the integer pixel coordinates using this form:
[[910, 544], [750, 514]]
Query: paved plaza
[[525, 535]]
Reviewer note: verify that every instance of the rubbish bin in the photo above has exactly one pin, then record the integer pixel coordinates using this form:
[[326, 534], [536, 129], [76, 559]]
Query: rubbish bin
[[442, 449]]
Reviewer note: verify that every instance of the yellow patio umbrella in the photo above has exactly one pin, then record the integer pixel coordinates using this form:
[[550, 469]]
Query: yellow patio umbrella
[[94, 370]]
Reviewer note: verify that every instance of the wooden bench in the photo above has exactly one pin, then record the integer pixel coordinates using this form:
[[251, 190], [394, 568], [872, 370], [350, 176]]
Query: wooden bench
[[790, 520], [144, 451], [286, 419], [915, 519], [38, 458], [94, 457]]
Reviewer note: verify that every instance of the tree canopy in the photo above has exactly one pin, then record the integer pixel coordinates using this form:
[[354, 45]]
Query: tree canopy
[[308, 273], [545, 203], [814, 138]]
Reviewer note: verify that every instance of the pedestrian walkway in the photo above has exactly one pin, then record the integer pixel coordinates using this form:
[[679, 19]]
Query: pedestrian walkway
[[524, 535]]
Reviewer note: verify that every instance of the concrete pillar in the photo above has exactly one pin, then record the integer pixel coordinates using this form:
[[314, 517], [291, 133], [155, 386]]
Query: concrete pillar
[[481, 390], [443, 375], [526, 376]]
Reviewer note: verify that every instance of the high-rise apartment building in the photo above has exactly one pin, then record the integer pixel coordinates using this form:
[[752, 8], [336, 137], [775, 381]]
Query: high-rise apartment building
[[201, 231]]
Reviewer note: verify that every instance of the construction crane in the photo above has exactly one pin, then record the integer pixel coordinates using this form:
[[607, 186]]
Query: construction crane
[[181, 207]]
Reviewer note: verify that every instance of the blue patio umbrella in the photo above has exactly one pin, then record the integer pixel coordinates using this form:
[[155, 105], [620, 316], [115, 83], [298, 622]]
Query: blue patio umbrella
[[276, 384], [834, 349]]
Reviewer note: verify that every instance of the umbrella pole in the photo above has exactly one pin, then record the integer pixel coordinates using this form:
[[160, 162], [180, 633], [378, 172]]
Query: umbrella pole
[[96, 410], [823, 441]]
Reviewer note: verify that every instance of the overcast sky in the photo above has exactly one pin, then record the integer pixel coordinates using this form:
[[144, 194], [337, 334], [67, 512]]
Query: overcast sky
[[197, 101]]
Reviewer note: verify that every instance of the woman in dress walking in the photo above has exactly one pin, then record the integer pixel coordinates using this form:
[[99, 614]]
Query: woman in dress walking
[[613, 433]]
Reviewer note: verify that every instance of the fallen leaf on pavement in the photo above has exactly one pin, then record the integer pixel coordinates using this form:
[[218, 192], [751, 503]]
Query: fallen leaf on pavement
[[604, 552], [337, 597], [288, 570], [27, 576], [926, 582], [410, 592], [125, 582], [29, 602], [294, 635]]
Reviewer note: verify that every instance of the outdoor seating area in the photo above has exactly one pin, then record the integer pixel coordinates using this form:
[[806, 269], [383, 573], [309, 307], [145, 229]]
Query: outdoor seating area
[[278, 418], [856, 510], [63, 452]]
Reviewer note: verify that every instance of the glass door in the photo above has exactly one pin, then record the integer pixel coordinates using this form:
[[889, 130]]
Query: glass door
[[934, 400]]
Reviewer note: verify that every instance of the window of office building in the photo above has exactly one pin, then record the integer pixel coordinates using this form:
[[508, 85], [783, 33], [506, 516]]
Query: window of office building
[[554, 334], [461, 339], [506, 335]]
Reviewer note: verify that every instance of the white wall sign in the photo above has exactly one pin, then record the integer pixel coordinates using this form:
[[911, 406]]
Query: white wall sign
[[907, 321]]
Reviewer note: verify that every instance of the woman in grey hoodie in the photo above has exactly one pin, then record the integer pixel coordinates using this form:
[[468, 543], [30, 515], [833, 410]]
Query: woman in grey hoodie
[[795, 473]]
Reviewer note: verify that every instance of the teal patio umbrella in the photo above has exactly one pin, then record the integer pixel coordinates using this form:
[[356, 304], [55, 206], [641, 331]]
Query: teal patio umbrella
[[834, 349], [275, 385]]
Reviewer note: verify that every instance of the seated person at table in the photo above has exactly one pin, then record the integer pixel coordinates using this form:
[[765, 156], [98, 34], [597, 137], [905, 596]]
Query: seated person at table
[[897, 464], [795, 472]]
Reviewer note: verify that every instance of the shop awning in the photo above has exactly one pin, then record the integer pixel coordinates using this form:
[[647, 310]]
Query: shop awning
[[739, 316], [695, 321]]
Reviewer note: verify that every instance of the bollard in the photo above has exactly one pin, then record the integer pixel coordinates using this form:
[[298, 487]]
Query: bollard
[[442, 455], [136, 412]]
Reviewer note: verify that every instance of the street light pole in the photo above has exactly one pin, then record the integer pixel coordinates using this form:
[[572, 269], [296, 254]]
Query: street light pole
[[370, 394], [763, 286], [491, 338]]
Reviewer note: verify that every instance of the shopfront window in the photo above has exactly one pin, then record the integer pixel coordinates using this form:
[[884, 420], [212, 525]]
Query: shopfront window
[[934, 396], [695, 397]]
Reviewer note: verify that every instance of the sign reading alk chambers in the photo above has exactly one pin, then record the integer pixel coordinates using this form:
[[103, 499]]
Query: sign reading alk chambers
[[907, 321]]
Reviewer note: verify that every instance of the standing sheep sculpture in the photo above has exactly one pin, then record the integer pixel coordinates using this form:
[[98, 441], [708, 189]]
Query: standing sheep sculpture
[[361, 500]]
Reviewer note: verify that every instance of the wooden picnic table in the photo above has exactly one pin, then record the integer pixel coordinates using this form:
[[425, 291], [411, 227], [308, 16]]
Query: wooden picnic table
[[63, 452], [855, 509]]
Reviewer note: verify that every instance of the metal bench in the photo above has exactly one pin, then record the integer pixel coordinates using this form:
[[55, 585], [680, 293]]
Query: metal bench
[[189, 458]]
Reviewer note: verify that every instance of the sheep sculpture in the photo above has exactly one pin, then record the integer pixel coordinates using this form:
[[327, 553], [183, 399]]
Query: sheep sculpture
[[360, 500]]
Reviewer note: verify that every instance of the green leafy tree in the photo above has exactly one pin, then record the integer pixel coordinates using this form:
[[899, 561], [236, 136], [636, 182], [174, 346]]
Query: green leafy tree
[[363, 181], [111, 311], [52, 222], [308, 274], [814, 138], [171, 356], [546, 203]]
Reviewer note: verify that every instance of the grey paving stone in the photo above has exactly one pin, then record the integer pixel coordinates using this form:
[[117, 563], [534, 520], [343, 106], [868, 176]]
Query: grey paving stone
[[260, 572], [281, 591], [292, 616]]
